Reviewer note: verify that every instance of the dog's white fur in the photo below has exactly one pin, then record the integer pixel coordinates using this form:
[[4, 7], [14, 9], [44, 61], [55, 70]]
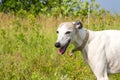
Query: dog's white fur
[[101, 52]]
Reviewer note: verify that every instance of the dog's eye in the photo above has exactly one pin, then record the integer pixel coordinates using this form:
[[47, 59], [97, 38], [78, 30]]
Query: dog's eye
[[68, 32], [57, 32]]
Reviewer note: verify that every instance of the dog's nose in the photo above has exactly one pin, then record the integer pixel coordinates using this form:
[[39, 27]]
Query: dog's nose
[[57, 44]]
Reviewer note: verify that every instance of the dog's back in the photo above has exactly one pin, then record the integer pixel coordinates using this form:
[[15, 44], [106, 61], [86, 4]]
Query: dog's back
[[108, 41]]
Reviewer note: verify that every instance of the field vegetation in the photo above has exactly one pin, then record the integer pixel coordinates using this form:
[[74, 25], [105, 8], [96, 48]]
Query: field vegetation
[[27, 49], [27, 40]]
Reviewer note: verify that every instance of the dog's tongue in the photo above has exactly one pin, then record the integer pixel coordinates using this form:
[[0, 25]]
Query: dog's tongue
[[61, 50]]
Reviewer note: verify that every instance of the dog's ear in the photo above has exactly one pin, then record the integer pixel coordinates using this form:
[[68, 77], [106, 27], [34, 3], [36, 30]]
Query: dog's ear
[[78, 24]]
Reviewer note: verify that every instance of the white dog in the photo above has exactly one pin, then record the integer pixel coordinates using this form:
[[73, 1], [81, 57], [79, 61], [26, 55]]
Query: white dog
[[100, 49]]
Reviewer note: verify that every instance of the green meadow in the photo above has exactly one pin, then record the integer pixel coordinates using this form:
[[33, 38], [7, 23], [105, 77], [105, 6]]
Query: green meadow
[[27, 49]]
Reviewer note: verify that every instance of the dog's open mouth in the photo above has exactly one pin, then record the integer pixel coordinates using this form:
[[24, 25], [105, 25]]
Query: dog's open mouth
[[63, 48]]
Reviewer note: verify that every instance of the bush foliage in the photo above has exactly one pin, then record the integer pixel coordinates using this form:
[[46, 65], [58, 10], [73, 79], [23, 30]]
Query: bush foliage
[[51, 7]]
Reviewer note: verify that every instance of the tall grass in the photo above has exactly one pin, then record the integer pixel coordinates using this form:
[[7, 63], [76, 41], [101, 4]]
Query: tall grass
[[27, 49]]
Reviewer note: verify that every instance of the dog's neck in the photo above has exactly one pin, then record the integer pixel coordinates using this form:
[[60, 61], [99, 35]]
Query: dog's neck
[[81, 39]]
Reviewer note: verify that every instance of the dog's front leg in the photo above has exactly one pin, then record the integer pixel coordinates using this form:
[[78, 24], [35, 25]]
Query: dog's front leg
[[72, 52]]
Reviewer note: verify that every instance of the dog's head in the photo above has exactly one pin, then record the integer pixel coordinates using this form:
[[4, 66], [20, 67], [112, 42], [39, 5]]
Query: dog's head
[[66, 32]]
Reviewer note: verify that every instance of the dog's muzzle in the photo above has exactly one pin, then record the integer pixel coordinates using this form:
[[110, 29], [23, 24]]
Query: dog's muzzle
[[62, 49]]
